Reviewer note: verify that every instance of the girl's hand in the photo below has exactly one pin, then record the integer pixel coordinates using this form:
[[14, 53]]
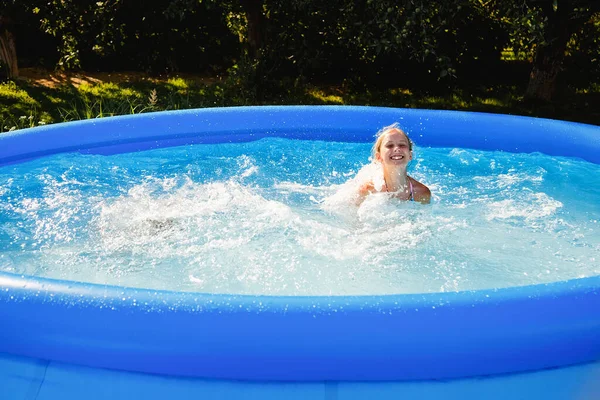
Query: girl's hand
[[366, 189]]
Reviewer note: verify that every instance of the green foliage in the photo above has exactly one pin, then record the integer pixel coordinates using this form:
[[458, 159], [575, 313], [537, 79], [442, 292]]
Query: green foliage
[[11, 123], [583, 54], [372, 42], [177, 35], [431, 44], [536, 23], [422, 31], [79, 24]]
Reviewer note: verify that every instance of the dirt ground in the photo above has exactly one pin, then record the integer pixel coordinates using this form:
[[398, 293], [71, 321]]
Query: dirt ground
[[53, 79]]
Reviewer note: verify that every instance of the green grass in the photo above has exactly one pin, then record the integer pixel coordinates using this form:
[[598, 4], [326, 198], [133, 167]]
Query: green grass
[[24, 104]]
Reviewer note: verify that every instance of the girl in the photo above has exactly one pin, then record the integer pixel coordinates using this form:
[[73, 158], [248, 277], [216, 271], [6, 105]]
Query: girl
[[393, 150]]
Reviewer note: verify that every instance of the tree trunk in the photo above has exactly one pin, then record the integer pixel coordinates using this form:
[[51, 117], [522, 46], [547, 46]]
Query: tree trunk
[[546, 67], [256, 19], [8, 50], [550, 55]]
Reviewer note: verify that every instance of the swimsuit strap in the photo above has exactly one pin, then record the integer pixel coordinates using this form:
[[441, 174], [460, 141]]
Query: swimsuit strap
[[410, 185]]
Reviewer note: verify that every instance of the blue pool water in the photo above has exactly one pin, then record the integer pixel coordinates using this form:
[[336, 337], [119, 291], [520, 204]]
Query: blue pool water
[[180, 219]]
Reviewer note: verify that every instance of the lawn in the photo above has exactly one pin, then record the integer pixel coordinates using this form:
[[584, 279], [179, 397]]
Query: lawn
[[44, 97]]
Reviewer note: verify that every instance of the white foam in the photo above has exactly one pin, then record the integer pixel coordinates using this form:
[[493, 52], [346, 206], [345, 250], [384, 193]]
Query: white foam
[[346, 195], [529, 206]]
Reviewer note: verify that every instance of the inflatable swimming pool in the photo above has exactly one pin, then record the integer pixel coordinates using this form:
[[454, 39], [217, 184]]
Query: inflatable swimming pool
[[413, 338]]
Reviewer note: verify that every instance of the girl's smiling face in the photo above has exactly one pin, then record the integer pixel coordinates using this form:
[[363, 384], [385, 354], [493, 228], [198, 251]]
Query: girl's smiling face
[[394, 149]]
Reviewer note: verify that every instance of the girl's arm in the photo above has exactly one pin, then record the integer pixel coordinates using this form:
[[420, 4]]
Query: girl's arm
[[364, 190]]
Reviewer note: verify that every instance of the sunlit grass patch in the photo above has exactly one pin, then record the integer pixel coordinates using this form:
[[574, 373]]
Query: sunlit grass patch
[[450, 102], [593, 88], [109, 91], [400, 91], [178, 83], [494, 102], [85, 108], [11, 93], [323, 97]]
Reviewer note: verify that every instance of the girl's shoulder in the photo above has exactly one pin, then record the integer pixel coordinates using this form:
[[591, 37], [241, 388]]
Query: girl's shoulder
[[421, 193]]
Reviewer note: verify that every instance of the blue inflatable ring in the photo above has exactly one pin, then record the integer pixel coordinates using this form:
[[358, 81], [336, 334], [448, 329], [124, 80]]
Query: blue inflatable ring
[[392, 337]]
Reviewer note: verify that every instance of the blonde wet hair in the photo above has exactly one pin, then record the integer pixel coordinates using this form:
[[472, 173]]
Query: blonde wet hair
[[380, 135]]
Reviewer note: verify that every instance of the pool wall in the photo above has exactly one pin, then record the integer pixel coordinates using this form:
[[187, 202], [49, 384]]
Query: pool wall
[[434, 128], [29, 379], [406, 338]]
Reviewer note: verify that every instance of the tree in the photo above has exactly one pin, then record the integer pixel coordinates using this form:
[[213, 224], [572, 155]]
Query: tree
[[9, 12], [438, 35], [172, 35], [384, 41], [78, 24], [8, 50], [255, 27], [544, 27]]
